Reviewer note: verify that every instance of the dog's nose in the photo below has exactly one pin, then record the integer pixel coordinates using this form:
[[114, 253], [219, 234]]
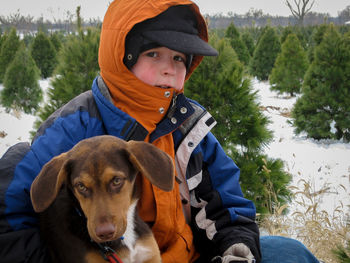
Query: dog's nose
[[105, 231]]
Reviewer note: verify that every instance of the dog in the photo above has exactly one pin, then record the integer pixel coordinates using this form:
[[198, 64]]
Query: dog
[[86, 199]]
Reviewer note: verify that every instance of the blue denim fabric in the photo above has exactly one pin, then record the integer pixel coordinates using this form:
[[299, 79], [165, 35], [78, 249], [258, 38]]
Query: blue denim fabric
[[277, 249]]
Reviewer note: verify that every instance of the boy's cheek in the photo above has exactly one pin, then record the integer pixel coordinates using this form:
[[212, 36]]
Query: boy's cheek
[[144, 74], [180, 83]]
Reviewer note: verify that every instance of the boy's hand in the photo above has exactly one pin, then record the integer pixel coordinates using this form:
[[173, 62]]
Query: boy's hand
[[236, 253]]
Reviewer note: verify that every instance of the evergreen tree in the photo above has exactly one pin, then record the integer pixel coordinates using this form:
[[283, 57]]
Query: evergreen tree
[[21, 87], [8, 51], [304, 35], [265, 54], [290, 67], [219, 84], [323, 111], [56, 40], [285, 33], [2, 39], [263, 180], [257, 32], [249, 42], [28, 39], [317, 37], [77, 67], [342, 253], [237, 44], [77, 12], [342, 111], [44, 54]]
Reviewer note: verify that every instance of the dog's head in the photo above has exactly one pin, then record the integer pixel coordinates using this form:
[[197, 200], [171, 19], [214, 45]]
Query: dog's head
[[101, 172]]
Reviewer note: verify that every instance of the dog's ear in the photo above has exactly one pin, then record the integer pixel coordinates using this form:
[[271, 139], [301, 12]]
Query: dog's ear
[[47, 184], [156, 165]]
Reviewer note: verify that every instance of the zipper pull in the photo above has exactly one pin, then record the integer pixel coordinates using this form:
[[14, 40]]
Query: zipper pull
[[173, 107]]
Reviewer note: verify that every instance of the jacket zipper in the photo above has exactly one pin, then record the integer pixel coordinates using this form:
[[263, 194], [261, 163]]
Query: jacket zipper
[[173, 107]]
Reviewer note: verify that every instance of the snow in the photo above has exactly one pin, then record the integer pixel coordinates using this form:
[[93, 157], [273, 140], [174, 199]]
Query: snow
[[321, 163]]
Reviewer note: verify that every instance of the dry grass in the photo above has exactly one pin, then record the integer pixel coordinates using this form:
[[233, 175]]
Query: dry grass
[[3, 134], [317, 229], [285, 112]]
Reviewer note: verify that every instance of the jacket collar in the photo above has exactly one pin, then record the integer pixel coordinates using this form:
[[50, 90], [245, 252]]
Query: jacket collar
[[115, 121], [122, 125]]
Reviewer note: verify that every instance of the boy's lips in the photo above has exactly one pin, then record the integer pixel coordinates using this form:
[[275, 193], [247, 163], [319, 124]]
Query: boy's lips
[[163, 86]]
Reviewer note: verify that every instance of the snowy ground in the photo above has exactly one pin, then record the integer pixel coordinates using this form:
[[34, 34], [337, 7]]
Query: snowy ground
[[320, 163], [324, 163]]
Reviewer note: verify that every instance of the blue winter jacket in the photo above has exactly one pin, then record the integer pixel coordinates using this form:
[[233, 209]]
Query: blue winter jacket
[[214, 205]]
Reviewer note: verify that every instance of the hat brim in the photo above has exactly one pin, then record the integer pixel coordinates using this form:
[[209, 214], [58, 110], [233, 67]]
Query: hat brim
[[182, 42]]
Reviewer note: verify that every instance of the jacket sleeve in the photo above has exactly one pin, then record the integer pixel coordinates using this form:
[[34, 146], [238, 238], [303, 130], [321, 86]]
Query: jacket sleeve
[[221, 216], [21, 245], [22, 163]]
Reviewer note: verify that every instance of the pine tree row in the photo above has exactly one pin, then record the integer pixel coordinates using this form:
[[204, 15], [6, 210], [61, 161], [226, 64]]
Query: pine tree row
[[313, 64], [21, 67]]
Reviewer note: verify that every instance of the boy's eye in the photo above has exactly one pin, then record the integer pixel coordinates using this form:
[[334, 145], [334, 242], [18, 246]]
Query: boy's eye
[[152, 54], [180, 59]]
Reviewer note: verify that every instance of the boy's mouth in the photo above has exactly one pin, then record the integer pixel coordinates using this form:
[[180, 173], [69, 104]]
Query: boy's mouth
[[163, 86]]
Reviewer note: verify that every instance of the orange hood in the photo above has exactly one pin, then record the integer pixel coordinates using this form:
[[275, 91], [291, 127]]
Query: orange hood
[[141, 101]]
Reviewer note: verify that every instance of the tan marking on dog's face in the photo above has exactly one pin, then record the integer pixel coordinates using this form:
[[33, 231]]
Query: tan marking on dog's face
[[105, 195]]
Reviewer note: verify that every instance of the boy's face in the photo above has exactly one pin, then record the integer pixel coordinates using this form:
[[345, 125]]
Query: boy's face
[[161, 67]]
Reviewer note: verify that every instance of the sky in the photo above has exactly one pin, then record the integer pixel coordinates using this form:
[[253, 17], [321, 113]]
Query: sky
[[53, 9]]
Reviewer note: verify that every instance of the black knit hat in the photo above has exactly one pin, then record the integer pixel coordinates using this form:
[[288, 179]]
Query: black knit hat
[[175, 28]]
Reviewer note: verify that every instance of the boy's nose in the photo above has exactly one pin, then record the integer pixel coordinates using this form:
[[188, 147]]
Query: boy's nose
[[168, 67]]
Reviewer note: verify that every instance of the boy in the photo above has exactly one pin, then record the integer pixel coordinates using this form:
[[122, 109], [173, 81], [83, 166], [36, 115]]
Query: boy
[[147, 51]]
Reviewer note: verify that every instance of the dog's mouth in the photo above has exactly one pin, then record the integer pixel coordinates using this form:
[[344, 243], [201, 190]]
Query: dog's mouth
[[106, 239], [100, 240], [108, 242]]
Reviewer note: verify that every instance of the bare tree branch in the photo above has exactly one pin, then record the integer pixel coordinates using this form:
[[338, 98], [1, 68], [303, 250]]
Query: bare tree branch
[[302, 7]]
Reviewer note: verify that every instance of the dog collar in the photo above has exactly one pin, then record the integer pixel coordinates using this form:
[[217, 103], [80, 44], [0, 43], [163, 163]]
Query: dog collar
[[109, 254]]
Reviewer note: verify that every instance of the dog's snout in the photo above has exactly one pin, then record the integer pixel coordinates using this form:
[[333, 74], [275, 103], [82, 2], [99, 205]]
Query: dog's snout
[[105, 231]]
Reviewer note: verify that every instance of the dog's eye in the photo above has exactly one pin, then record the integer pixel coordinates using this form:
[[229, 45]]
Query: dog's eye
[[81, 187], [116, 183]]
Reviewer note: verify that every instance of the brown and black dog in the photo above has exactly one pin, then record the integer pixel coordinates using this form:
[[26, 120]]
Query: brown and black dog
[[87, 200]]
